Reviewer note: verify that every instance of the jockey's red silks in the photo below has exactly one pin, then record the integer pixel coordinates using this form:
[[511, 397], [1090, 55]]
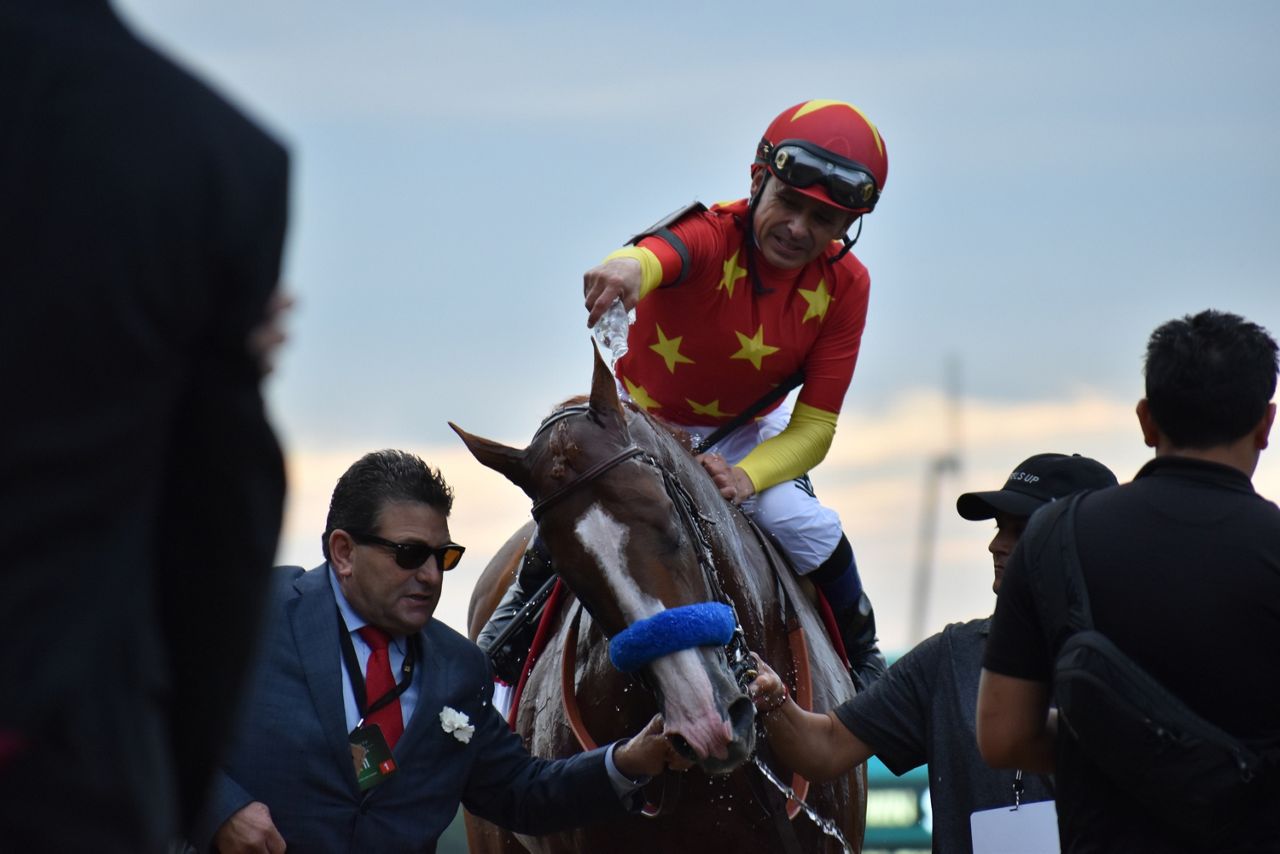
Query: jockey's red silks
[[540, 639]]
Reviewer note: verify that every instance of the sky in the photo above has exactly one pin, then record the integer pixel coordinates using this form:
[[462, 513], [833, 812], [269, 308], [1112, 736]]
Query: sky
[[1063, 178]]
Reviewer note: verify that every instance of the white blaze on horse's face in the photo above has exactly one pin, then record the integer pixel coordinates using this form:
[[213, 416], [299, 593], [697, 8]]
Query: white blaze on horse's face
[[605, 539], [690, 711]]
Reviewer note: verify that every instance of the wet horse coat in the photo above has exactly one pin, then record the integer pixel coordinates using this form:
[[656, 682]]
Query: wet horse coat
[[635, 527]]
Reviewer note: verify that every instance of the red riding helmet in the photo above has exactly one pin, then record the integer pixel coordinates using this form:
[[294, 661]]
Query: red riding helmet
[[827, 150]]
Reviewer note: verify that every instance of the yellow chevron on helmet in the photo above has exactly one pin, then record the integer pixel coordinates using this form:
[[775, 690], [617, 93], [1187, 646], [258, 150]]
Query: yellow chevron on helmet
[[836, 127]]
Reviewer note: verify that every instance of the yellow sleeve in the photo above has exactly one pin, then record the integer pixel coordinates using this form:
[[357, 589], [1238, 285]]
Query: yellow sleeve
[[650, 266], [797, 449]]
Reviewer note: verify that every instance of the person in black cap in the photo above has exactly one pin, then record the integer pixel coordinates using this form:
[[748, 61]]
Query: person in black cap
[[1182, 570], [923, 710]]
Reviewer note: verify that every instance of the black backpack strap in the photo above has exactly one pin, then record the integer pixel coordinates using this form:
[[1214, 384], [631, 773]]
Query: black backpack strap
[[662, 230], [1052, 555]]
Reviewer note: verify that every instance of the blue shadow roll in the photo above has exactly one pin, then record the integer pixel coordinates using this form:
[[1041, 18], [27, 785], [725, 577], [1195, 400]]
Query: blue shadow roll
[[703, 624]]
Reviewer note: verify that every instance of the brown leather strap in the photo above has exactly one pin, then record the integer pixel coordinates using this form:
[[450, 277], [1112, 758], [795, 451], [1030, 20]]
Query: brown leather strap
[[804, 699], [568, 668], [540, 506]]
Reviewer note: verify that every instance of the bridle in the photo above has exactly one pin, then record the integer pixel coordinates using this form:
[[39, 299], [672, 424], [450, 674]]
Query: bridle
[[736, 651]]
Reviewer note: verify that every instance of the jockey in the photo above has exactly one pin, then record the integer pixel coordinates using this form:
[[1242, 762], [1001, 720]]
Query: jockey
[[731, 303]]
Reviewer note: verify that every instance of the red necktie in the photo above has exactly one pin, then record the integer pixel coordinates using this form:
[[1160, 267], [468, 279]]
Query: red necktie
[[378, 682]]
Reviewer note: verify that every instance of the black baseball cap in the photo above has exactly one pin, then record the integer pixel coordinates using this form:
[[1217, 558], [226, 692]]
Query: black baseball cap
[[1036, 481]]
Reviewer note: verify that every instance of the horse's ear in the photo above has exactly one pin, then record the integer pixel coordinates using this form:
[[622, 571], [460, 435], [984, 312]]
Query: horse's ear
[[506, 461], [604, 393]]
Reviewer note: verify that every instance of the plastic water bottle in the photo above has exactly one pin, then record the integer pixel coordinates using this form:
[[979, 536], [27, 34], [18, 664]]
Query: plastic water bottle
[[611, 330]]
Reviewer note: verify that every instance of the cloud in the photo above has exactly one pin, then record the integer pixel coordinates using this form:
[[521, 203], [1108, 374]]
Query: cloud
[[875, 477]]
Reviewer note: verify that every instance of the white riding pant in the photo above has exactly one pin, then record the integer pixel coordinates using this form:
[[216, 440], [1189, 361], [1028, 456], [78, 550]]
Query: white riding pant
[[789, 511]]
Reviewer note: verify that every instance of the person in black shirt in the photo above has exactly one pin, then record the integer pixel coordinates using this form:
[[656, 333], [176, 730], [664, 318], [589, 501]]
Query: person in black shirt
[[922, 710], [1183, 571]]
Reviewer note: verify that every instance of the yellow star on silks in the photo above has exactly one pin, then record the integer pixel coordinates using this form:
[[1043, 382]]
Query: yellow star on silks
[[753, 349], [732, 272], [819, 299], [640, 396], [712, 408], [669, 350]]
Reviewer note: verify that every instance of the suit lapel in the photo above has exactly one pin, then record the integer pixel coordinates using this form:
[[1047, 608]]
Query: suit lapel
[[437, 675], [315, 631], [427, 708]]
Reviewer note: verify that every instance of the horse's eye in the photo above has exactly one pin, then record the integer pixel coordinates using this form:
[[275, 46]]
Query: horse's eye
[[673, 538]]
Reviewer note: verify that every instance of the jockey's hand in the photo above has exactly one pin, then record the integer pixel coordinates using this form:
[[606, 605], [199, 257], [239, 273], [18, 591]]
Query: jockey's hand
[[732, 481], [618, 278], [649, 752], [766, 690]]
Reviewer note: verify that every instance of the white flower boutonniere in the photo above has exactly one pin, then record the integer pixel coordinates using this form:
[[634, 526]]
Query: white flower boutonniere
[[457, 723]]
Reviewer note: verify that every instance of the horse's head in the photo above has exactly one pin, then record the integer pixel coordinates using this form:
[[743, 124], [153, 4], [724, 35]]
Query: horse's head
[[623, 534]]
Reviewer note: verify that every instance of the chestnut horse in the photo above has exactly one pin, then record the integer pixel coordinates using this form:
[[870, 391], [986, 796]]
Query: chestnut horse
[[635, 528]]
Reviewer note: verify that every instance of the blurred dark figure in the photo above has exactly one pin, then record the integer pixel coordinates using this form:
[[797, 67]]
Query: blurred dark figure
[[141, 223]]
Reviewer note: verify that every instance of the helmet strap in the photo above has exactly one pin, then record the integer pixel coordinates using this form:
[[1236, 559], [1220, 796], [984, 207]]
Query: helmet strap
[[848, 242], [749, 239]]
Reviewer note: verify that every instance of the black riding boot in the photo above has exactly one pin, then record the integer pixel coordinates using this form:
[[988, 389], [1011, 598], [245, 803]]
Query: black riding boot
[[858, 631], [838, 578], [511, 627]]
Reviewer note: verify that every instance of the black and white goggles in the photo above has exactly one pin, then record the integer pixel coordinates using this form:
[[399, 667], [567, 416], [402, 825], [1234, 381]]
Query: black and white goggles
[[801, 164]]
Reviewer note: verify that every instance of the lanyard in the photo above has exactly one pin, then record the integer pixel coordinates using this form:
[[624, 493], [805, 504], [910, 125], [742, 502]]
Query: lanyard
[[357, 677]]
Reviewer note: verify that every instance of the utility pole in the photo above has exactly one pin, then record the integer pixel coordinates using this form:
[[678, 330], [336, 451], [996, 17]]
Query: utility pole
[[946, 462]]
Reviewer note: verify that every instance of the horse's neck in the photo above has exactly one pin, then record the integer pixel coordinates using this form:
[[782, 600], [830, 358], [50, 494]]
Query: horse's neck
[[746, 562]]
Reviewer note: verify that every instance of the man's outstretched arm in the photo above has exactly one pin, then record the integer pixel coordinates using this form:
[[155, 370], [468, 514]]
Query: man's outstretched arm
[[817, 746]]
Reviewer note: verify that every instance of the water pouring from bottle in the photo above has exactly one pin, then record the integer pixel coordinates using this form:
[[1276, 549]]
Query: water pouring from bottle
[[611, 331]]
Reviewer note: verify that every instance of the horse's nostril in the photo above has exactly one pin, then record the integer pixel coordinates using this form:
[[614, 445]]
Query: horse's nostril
[[682, 747], [742, 715]]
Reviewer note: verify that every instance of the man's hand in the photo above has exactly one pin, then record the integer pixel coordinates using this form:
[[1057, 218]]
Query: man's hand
[[816, 745], [250, 830], [732, 481], [618, 278], [649, 752], [766, 690]]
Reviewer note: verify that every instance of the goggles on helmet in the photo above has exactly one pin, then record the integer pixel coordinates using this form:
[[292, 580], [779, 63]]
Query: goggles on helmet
[[802, 164]]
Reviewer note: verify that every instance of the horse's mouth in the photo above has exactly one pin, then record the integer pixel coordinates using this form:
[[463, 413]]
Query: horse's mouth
[[736, 751]]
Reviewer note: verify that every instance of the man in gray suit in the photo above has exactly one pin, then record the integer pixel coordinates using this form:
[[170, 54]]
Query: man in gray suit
[[337, 754]]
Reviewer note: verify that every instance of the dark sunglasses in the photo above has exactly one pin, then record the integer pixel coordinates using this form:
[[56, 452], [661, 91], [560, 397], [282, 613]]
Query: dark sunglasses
[[801, 164], [414, 555]]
